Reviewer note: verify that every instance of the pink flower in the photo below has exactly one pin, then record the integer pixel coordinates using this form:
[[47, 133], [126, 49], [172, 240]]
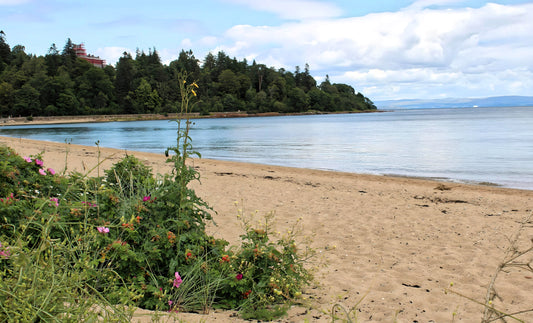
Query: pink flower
[[89, 204], [103, 230], [177, 281], [4, 252], [51, 171], [54, 199], [27, 159], [238, 277], [39, 162], [42, 171], [146, 198]]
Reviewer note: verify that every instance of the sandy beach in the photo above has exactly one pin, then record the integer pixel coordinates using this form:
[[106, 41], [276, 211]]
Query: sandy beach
[[397, 242]]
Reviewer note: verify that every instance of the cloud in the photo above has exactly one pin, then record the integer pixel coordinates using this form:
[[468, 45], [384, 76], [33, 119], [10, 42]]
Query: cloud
[[13, 2], [112, 54], [474, 48], [293, 9], [421, 4]]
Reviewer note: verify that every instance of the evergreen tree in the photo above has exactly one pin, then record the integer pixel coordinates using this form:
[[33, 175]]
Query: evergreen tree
[[5, 51], [62, 84]]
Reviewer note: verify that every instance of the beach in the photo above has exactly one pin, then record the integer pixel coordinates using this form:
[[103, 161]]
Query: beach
[[393, 243]]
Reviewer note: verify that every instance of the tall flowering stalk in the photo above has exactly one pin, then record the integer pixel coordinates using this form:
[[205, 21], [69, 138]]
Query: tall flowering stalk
[[183, 150]]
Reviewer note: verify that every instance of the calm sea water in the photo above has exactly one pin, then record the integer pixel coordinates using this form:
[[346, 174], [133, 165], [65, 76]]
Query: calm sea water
[[465, 145]]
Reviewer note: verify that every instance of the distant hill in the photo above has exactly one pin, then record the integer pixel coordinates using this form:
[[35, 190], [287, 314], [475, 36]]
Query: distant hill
[[496, 101]]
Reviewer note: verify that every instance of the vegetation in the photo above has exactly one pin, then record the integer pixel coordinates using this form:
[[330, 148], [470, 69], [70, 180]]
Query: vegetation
[[79, 248], [62, 84]]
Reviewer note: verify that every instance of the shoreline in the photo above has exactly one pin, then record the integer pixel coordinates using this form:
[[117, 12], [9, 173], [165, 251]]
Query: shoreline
[[399, 241], [42, 120], [52, 145], [481, 183]]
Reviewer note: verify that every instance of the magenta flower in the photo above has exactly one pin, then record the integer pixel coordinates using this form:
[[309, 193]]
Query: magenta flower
[[89, 204], [55, 200], [42, 171], [51, 171], [39, 162], [27, 159], [103, 230], [239, 276], [4, 252], [177, 281], [146, 198]]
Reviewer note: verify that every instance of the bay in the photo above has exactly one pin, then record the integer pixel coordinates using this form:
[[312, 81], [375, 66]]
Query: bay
[[472, 145]]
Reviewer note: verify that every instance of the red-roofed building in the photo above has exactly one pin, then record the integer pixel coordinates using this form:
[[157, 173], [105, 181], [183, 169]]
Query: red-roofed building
[[81, 53]]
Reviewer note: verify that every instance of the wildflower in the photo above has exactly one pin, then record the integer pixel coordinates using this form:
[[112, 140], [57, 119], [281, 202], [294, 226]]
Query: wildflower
[[193, 92], [39, 162], [103, 230], [171, 237], [177, 281], [239, 276], [4, 252], [146, 198], [27, 159], [245, 295], [194, 84], [7, 199], [89, 204], [51, 171], [170, 303], [225, 258], [55, 200], [42, 171]]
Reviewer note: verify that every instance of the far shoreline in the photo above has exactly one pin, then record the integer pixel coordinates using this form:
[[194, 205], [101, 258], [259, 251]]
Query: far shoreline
[[42, 120]]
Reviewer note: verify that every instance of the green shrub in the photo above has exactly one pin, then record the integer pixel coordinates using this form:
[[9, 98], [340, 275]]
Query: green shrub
[[71, 245]]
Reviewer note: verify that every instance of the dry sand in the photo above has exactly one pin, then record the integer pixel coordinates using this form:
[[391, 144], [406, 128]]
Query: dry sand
[[399, 241]]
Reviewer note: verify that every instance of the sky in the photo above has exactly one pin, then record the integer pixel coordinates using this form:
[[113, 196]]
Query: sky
[[385, 49]]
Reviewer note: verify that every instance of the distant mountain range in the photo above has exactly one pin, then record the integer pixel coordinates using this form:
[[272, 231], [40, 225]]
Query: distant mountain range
[[496, 101]]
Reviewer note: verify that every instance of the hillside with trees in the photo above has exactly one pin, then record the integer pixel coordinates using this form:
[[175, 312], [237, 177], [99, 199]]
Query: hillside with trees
[[60, 83]]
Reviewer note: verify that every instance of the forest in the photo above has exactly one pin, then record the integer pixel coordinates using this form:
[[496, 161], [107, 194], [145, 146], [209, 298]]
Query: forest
[[62, 84]]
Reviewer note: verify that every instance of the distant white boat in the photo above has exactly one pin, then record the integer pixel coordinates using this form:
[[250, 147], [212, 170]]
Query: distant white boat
[[475, 106]]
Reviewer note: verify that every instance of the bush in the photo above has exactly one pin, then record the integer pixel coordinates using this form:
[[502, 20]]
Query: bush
[[72, 245]]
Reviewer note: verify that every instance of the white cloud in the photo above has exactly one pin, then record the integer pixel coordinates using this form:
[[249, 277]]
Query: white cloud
[[421, 4], [13, 2], [112, 54], [425, 49], [293, 9]]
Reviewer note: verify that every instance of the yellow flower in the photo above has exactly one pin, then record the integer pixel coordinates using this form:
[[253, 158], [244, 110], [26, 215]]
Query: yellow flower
[[194, 84], [193, 92]]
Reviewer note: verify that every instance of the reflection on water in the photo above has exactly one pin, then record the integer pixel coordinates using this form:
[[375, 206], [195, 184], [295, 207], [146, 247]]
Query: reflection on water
[[479, 145]]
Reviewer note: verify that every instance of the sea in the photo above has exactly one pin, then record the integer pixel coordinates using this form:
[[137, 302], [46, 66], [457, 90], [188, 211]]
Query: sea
[[490, 146]]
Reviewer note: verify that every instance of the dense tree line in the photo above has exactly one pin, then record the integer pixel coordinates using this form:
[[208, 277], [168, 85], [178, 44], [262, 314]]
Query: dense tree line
[[60, 83]]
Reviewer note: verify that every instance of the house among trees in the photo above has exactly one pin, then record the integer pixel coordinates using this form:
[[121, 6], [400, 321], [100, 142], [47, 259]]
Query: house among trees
[[81, 53]]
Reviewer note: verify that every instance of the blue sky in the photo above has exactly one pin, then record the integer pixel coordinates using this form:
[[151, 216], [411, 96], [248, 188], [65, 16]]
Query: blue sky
[[386, 49]]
